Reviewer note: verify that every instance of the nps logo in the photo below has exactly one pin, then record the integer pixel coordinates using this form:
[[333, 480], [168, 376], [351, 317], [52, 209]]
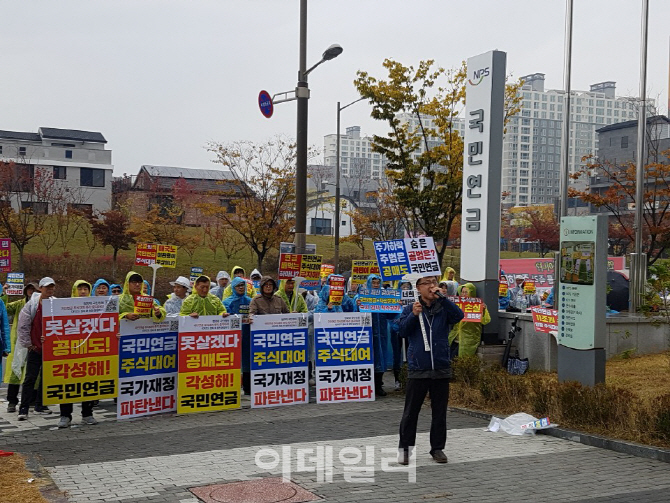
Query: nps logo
[[478, 76]]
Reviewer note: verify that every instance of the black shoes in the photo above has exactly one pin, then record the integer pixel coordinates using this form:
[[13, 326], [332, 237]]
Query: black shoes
[[439, 456]]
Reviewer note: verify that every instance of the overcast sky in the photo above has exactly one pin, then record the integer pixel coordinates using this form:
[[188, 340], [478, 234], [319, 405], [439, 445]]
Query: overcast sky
[[161, 78]]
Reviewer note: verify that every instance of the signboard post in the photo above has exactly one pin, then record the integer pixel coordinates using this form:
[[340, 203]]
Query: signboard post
[[581, 294], [482, 167]]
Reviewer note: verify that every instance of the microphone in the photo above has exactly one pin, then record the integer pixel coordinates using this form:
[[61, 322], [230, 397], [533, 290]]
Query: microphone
[[440, 294]]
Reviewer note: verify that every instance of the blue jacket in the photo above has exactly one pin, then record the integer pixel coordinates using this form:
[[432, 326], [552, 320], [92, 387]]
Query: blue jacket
[[5, 341], [434, 364]]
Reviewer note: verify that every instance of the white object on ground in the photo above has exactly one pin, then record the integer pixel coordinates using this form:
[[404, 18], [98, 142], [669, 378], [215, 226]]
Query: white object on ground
[[519, 424]]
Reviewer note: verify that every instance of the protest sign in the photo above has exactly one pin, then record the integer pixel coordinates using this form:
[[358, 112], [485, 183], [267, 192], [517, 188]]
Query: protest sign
[[143, 304], [529, 287], [326, 270], [305, 266], [344, 361], [503, 288], [379, 300], [5, 255], [544, 319], [150, 253], [472, 307], [399, 257], [279, 360], [15, 283], [80, 351], [336, 284], [360, 270], [209, 363], [407, 297], [147, 368], [196, 272]]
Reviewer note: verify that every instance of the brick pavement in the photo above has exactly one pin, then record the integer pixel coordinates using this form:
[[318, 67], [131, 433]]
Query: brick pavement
[[157, 459]]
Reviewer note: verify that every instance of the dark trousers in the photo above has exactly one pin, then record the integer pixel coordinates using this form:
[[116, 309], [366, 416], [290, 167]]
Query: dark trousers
[[13, 393], [415, 393], [33, 367], [86, 409]]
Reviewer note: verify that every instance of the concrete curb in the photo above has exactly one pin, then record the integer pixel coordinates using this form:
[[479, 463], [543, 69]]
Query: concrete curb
[[631, 448]]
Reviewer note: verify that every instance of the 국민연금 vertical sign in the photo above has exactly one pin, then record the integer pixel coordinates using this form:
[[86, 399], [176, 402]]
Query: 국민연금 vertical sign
[[279, 360], [210, 350], [147, 368], [80, 351], [5, 255], [399, 257], [344, 362]]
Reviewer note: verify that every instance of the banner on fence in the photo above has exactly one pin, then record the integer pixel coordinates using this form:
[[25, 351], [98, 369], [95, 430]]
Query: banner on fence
[[404, 256], [6, 255], [544, 319], [279, 357], [380, 300], [147, 368], [305, 266], [81, 351], [472, 307], [344, 361], [15, 283], [209, 358]]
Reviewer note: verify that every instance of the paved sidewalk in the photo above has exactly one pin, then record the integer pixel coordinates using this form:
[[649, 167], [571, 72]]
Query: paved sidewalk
[[157, 459]]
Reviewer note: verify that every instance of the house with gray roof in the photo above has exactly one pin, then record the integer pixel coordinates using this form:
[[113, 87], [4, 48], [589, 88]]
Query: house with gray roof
[[72, 169]]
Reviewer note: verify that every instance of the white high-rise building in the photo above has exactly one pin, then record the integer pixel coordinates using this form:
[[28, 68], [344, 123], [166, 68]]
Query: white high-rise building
[[532, 144], [356, 156]]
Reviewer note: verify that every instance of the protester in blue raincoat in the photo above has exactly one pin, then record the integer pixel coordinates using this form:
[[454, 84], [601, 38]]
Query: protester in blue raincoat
[[380, 334], [238, 303], [324, 305], [101, 288]]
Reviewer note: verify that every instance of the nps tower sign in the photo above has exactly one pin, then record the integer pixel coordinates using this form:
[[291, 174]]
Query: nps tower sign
[[482, 161], [581, 294]]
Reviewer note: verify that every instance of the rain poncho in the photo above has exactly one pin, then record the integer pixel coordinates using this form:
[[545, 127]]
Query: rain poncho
[[297, 299], [217, 290], [17, 357], [324, 294], [209, 305], [76, 285], [173, 304], [98, 283], [127, 303], [452, 284], [468, 334], [113, 286], [229, 289], [5, 341], [380, 333], [520, 300], [239, 304]]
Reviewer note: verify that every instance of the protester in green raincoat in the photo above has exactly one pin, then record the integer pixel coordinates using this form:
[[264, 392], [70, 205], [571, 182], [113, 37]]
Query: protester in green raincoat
[[287, 292], [468, 334], [81, 288], [16, 361], [132, 287], [238, 272], [201, 302], [449, 278]]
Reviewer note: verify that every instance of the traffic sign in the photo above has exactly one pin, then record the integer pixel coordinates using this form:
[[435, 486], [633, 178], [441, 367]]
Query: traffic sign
[[265, 104]]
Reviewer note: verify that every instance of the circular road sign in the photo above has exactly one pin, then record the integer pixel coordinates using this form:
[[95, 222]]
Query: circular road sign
[[265, 104]]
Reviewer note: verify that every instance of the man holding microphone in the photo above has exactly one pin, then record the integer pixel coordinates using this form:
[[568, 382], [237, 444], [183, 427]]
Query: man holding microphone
[[428, 364]]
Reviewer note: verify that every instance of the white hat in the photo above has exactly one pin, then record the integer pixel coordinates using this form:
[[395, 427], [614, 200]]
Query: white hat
[[46, 281], [221, 275], [182, 281]]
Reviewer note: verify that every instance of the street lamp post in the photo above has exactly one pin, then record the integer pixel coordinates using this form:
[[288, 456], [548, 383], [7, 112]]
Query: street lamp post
[[337, 186], [302, 95]]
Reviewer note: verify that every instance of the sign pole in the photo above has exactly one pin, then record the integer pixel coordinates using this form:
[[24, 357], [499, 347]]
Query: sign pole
[[155, 267]]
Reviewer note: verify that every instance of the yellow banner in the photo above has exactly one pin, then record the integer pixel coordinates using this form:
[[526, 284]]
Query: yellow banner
[[208, 391]]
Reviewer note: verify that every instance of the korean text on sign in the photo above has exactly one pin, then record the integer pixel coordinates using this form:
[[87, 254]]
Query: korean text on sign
[[143, 304], [336, 292], [404, 256], [279, 360], [380, 300], [15, 283], [5, 254], [209, 364], [544, 319], [80, 351], [472, 307], [327, 269], [360, 270], [344, 361], [147, 368]]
